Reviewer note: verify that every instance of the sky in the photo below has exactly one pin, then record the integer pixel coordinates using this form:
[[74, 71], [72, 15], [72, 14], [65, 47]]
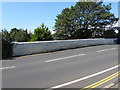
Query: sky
[[30, 15]]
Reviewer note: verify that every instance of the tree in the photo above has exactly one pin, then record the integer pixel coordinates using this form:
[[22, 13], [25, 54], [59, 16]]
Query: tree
[[84, 20], [15, 34], [6, 35], [41, 34], [110, 34], [118, 36], [19, 35], [5, 44]]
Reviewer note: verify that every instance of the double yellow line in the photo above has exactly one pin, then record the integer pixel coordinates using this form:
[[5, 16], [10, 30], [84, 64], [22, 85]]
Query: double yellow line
[[101, 81]]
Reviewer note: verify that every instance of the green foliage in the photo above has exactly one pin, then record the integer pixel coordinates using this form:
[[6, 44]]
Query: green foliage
[[19, 35], [118, 36], [84, 20], [110, 34], [6, 35], [6, 45], [29, 37], [41, 34], [15, 34]]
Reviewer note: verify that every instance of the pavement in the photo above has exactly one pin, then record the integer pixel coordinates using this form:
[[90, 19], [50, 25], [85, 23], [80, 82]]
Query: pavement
[[88, 67], [116, 85]]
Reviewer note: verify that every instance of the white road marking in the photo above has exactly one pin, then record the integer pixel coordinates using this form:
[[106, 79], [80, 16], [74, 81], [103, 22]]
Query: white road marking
[[7, 61], [7, 67], [64, 58], [106, 50], [78, 80], [112, 49]]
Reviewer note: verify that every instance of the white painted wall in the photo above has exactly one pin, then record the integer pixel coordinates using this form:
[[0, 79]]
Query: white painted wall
[[25, 48]]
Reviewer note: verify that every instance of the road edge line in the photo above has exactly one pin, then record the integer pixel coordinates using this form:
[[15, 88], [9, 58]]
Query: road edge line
[[7, 67], [89, 76]]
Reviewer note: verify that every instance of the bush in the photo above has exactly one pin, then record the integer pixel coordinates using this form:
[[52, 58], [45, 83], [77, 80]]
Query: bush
[[118, 41], [110, 34], [41, 34], [19, 35], [6, 49]]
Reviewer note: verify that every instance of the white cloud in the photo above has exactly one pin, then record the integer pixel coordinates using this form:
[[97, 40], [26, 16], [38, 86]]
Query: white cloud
[[52, 32]]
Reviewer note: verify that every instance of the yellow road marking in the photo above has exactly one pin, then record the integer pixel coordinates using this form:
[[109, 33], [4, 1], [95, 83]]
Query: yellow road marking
[[102, 81]]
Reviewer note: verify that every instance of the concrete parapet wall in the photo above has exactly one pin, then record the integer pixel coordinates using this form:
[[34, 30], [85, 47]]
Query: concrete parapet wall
[[26, 48]]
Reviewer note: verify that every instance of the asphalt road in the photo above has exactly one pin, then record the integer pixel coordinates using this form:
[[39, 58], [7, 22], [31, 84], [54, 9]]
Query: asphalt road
[[74, 68]]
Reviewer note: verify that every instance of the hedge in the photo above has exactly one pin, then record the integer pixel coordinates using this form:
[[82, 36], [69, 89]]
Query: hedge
[[6, 49]]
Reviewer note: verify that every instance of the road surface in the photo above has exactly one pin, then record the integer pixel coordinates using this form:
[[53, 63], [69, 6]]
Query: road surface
[[74, 68]]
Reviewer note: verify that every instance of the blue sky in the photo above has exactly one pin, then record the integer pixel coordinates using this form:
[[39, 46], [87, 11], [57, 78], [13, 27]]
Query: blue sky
[[31, 15]]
